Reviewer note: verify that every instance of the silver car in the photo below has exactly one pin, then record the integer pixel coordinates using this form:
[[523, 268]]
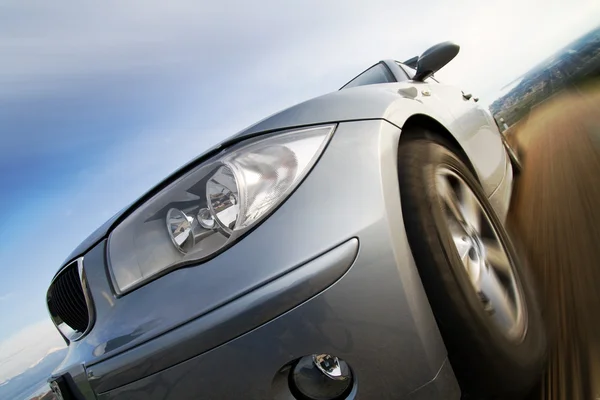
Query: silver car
[[349, 247]]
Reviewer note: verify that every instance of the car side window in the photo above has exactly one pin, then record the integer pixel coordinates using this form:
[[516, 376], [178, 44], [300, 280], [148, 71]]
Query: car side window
[[378, 73], [411, 73]]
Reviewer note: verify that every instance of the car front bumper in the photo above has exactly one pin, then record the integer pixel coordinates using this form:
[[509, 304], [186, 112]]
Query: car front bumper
[[329, 272]]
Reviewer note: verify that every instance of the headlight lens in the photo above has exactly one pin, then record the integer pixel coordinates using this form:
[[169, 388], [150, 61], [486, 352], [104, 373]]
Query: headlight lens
[[211, 206]]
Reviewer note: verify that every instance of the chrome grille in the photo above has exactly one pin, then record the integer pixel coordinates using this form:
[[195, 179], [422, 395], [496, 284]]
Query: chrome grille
[[68, 302]]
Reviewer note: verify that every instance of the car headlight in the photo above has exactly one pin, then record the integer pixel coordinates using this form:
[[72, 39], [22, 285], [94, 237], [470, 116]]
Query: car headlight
[[212, 206]]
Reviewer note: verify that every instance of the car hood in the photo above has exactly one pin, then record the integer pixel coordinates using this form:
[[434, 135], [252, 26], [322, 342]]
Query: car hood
[[359, 103]]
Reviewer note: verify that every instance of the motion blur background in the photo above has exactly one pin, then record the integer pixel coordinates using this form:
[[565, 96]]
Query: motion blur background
[[99, 101]]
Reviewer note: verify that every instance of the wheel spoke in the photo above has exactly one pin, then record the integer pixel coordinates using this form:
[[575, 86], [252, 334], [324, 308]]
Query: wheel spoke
[[503, 308], [474, 271], [470, 207], [450, 199], [496, 257]]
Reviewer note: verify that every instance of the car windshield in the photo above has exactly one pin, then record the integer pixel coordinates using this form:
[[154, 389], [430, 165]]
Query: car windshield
[[378, 73]]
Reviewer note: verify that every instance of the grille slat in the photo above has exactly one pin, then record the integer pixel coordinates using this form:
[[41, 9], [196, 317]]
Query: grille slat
[[70, 316], [73, 290], [66, 300], [70, 287], [79, 297], [74, 311], [59, 305]]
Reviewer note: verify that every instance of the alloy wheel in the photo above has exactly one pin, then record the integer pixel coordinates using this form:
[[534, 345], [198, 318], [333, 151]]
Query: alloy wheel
[[483, 254]]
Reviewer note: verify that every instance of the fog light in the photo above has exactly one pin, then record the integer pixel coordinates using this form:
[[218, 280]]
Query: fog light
[[321, 377]]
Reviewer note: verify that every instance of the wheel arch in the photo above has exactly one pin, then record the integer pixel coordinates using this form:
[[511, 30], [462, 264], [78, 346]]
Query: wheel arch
[[439, 130]]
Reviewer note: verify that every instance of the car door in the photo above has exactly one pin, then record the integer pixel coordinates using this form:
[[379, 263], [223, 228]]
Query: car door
[[472, 125]]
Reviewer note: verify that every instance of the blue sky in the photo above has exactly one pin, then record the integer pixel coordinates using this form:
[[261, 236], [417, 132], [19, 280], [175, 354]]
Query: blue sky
[[100, 101]]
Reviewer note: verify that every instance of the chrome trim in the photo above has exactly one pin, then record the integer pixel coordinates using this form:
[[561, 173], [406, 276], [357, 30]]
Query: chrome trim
[[331, 367], [65, 330]]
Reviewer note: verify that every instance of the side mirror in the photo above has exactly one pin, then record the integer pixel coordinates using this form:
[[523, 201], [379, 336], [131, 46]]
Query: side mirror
[[434, 58]]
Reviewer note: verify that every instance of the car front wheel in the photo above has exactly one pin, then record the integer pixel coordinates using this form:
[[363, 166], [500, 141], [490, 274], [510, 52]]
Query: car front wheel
[[478, 286]]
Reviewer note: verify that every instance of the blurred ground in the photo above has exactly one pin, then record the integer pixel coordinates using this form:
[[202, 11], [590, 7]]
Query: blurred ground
[[556, 213]]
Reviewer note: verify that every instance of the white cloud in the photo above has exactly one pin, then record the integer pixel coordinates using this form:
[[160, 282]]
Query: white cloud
[[48, 352], [26, 347], [283, 43]]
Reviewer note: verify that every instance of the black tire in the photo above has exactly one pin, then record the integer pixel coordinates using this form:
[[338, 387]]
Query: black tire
[[487, 364], [515, 159]]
